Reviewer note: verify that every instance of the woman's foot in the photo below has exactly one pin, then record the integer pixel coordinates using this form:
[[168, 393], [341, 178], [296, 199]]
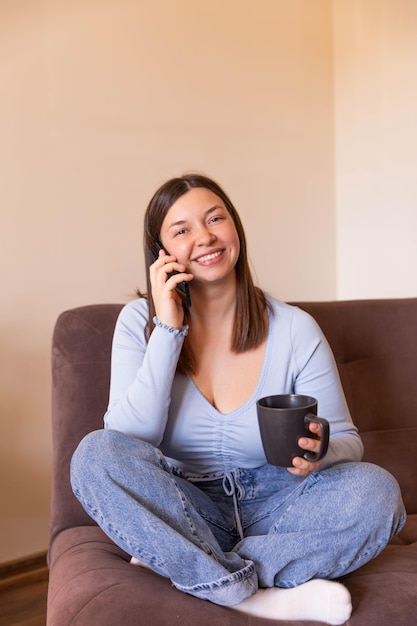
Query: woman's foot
[[316, 600], [135, 561]]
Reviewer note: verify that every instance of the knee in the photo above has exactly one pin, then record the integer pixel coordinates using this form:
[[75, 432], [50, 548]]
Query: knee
[[380, 484], [381, 494], [92, 462], [111, 453], [90, 450], [88, 457]]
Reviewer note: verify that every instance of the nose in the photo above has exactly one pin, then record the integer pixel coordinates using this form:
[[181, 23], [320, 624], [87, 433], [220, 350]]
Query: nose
[[204, 236]]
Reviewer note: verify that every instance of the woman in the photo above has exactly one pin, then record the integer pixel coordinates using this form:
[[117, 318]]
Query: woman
[[178, 478]]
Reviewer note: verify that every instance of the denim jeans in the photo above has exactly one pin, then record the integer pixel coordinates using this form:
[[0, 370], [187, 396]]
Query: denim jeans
[[221, 538]]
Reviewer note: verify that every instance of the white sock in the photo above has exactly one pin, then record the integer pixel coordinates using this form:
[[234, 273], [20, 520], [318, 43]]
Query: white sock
[[317, 600], [135, 561]]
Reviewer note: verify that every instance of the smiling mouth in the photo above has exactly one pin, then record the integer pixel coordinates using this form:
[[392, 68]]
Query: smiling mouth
[[209, 257]]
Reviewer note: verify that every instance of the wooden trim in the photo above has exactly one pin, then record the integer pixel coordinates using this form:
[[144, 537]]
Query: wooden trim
[[23, 571]]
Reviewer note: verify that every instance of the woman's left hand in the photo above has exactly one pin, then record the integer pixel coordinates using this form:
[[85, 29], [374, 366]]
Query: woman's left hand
[[302, 467]]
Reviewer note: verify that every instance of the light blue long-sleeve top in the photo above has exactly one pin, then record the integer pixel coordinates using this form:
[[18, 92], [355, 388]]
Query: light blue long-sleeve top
[[150, 400]]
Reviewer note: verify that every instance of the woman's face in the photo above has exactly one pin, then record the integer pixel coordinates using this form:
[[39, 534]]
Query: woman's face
[[200, 232]]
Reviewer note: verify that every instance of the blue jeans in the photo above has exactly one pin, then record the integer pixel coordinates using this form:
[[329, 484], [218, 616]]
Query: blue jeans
[[221, 538]]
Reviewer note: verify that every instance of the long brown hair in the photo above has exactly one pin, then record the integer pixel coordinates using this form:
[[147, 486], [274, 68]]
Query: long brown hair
[[250, 324]]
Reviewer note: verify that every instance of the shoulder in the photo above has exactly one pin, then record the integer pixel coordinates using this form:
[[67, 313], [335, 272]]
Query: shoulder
[[291, 316], [137, 307], [283, 310], [133, 317]]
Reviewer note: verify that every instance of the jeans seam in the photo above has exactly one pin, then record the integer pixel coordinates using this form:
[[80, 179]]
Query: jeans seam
[[203, 544], [113, 532]]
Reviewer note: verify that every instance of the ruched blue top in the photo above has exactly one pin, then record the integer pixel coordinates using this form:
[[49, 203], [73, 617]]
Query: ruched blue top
[[150, 400]]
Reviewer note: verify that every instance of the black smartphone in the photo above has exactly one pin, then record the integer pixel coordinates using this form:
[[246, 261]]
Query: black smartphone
[[184, 286]]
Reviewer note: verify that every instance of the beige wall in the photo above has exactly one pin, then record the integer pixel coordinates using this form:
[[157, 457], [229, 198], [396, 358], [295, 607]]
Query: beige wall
[[376, 147], [101, 101]]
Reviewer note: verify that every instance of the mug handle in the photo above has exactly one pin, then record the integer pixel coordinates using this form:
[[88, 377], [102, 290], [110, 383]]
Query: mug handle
[[324, 441]]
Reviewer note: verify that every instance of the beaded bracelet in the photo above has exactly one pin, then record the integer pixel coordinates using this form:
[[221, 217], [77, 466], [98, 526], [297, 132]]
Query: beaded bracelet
[[180, 332]]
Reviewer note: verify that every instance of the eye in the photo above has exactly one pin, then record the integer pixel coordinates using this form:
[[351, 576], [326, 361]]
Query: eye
[[180, 232], [216, 218]]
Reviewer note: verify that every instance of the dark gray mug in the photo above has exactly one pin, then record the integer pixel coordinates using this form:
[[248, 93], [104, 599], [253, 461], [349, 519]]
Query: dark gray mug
[[283, 419]]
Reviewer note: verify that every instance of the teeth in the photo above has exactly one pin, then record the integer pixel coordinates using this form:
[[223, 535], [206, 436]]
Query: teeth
[[209, 257]]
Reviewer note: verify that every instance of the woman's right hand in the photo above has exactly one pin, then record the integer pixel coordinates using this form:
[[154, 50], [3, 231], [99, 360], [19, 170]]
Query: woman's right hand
[[167, 300]]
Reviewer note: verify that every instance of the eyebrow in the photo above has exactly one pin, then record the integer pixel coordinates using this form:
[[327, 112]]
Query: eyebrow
[[208, 212]]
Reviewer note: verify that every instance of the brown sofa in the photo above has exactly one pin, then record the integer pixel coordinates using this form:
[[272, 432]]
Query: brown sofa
[[91, 580]]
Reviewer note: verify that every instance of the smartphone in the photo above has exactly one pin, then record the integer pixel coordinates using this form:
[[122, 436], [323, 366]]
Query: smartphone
[[184, 286]]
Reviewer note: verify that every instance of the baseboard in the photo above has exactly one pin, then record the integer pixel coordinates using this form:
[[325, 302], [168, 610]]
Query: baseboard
[[23, 571]]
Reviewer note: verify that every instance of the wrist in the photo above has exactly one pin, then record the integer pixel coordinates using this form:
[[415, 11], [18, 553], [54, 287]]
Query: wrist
[[182, 331]]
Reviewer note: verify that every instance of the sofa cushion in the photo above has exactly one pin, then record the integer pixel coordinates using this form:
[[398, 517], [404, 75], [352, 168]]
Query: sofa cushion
[[92, 583]]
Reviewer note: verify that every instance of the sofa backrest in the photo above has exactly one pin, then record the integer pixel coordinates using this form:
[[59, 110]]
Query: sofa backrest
[[375, 346], [81, 350]]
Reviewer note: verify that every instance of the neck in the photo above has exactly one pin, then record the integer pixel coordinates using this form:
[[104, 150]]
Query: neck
[[212, 303]]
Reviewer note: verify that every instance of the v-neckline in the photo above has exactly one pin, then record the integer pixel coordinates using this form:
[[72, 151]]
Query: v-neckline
[[256, 393]]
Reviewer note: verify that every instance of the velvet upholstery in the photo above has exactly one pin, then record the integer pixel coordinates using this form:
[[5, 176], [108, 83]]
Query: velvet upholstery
[[91, 580]]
